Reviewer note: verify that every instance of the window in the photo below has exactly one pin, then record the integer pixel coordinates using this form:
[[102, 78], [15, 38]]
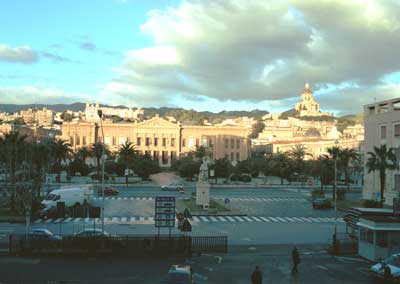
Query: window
[[147, 153], [164, 157], [232, 156], [237, 156], [114, 140], [155, 141], [138, 141], [173, 155], [226, 156], [183, 142], [172, 142], [164, 142], [71, 140], [83, 140], [232, 143], [147, 141], [237, 143], [226, 143], [155, 155], [383, 132], [77, 140], [397, 130], [197, 142]]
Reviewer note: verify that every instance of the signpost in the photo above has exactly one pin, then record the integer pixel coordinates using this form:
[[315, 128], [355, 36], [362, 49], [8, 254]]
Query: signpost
[[165, 213]]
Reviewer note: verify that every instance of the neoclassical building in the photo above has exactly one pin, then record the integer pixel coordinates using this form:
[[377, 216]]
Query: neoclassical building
[[161, 139], [308, 106]]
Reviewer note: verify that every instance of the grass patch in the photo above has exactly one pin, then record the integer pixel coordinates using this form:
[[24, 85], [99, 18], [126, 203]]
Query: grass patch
[[191, 205]]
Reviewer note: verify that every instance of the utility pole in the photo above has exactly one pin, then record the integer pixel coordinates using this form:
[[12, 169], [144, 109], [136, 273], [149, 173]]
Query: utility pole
[[103, 158]]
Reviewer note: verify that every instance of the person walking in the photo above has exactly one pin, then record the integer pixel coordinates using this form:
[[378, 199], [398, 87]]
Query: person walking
[[256, 276], [295, 259]]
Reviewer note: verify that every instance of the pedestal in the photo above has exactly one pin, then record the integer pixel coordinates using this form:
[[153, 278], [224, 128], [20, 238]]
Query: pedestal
[[203, 194]]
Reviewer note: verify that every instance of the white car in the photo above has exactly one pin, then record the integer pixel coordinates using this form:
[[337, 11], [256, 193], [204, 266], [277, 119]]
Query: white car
[[172, 187], [393, 262]]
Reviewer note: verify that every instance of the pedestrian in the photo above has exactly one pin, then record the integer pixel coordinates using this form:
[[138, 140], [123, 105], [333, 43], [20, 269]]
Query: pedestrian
[[295, 259], [256, 276], [387, 274]]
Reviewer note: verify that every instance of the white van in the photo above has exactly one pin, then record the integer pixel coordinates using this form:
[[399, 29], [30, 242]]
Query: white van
[[70, 195]]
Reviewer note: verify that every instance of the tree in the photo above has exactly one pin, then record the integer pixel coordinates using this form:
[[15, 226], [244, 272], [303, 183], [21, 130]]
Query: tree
[[144, 166], [188, 169], [257, 128], [126, 153], [83, 153], [347, 155], [39, 159], [381, 159], [282, 166], [61, 151], [12, 152], [201, 152], [96, 150], [222, 168], [298, 154]]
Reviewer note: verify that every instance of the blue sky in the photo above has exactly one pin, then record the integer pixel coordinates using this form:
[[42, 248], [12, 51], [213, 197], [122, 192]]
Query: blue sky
[[206, 55]]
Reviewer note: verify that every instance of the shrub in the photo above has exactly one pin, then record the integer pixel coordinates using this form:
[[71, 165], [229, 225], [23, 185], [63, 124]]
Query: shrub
[[245, 178], [234, 177], [371, 204]]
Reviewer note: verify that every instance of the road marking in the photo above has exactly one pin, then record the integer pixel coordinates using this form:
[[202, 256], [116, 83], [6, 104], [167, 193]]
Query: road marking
[[290, 219], [68, 220], [114, 219], [255, 218], [107, 219], [213, 219], [125, 198], [314, 219], [38, 221], [297, 219], [230, 218], [77, 220], [305, 219], [281, 219], [141, 219], [132, 219], [204, 219], [196, 219], [123, 219], [265, 219], [248, 219], [239, 218], [48, 220], [273, 219], [222, 219]]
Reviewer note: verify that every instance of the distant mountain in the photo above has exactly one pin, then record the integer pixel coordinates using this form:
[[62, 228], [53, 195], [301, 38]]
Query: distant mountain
[[183, 115]]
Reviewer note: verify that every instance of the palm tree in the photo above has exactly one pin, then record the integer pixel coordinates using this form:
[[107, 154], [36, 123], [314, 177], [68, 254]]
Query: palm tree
[[83, 153], [334, 153], [281, 165], [61, 150], [347, 155], [381, 159], [96, 150], [126, 152], [298, 154], [12, 145], [39, 159]]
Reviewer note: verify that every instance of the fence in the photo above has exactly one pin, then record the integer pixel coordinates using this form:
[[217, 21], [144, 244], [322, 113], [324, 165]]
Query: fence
[[120, 245]]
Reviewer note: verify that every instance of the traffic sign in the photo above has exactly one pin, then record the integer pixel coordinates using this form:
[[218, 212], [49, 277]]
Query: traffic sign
[[165, 211]]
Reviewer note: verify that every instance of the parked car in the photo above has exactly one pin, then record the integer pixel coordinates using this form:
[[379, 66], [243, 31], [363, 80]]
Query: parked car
[[393, 262], [90, 232], [173, 187], [48, 213], [179, 274], [321, 203], [108, 191], [44, 234]]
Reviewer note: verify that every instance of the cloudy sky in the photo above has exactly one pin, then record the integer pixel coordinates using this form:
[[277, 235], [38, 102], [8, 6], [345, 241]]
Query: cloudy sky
[[206, 55]]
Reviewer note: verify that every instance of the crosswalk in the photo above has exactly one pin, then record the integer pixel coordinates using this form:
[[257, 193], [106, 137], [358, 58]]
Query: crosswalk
[[261, 199], [123, 198], [195, 219]]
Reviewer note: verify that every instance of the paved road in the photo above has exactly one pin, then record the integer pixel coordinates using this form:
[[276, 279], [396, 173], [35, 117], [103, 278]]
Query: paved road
[[235, 268]]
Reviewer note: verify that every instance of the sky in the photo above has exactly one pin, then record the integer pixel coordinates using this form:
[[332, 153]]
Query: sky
[[200, 54]]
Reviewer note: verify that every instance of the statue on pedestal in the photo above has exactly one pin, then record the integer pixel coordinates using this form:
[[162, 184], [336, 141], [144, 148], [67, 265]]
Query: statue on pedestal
[[203, 173]]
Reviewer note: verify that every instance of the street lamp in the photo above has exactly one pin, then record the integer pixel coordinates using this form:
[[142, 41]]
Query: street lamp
[[103, 158], [335, 191]]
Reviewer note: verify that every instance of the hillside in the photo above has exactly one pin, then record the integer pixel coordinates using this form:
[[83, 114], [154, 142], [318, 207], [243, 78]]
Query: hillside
[[183, 115]]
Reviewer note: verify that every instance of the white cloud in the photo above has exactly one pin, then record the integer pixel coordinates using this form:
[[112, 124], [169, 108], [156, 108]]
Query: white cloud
[[23, 54], [38, 94], [262, 50]]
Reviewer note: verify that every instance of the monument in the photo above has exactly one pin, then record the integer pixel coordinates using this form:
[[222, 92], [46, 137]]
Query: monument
[[202, 186]]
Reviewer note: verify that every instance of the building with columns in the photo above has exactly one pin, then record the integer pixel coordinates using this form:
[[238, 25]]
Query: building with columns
[[161, 139]]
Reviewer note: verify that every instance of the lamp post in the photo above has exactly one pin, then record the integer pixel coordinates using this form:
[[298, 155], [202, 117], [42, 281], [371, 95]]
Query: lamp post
[[335, 191], [103, 159]]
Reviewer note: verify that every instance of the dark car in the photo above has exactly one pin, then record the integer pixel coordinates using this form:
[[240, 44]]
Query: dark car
[[48, 213], [43, 234], [90, 233], [321, 203], [108, 191]]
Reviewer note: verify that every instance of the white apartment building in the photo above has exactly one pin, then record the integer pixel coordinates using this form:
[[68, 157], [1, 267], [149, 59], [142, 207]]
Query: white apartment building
[[382, 126]]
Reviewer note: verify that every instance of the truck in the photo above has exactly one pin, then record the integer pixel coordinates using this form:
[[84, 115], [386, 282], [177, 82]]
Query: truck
[[71, 196]]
